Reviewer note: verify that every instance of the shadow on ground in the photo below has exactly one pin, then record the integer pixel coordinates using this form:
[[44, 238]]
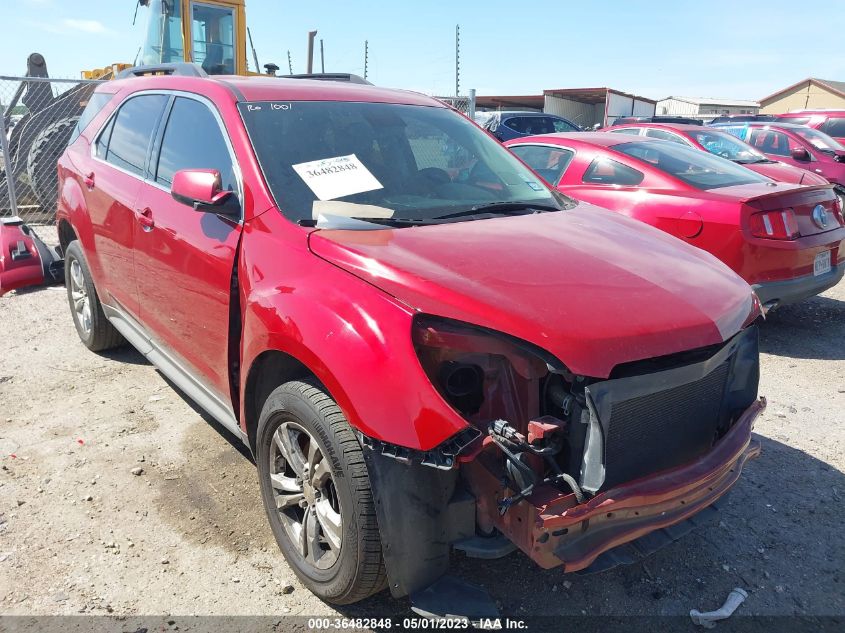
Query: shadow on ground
[[812, 329]]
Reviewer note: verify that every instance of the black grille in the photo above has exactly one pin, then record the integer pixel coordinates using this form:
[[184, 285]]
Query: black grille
[[661, 430]]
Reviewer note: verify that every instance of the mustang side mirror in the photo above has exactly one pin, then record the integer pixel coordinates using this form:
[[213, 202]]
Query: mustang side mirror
[[799, 153], [202, 190]]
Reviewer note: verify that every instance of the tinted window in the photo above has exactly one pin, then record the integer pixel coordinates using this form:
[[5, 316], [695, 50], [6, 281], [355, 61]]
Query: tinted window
[[533, 125], [634, 131], [664, 135], [96, 103], [769, 141], [549, 162], [692, 166], [605, 171], [378, 160], [133, 130], [563, 126], [834, 127], [193, 140], [802, 120], [102, 144]]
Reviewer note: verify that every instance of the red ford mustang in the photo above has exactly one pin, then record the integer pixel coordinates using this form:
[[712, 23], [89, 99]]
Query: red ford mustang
[[785, 240], [722, 144]]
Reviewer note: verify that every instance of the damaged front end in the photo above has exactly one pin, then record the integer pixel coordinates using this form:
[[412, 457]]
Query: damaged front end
[[566, 467]]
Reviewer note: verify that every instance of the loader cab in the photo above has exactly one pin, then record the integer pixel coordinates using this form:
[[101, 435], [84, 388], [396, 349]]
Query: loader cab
[[210, 33]]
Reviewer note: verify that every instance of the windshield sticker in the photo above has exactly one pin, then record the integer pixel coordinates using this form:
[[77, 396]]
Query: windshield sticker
[[338, 177], [535, 186]]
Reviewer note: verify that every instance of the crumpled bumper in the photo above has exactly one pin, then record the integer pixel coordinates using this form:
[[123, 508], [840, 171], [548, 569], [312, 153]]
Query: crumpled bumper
[[553, 530]]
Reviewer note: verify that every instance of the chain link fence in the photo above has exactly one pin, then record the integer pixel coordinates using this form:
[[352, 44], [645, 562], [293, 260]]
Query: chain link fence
[[39, 116], [464, 104]]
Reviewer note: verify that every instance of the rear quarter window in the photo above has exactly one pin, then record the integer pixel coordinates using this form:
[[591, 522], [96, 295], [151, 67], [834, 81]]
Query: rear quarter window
[[835, 126], [95, 105], [605, 171]]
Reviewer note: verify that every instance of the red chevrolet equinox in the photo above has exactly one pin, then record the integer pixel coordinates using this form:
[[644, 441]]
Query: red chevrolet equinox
[[422, 345]]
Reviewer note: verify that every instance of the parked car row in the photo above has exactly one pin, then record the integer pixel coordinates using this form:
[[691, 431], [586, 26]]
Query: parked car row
[[425, 343]]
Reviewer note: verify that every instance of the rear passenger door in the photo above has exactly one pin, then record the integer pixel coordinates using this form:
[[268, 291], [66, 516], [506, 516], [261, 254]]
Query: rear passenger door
[[185, 259], [113, 177]]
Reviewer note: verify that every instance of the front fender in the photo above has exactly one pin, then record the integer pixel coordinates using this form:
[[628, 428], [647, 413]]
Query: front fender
[[353, 337]]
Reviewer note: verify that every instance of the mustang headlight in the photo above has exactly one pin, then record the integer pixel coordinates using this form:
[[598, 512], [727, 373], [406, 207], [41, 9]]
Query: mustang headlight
[[485, 375]]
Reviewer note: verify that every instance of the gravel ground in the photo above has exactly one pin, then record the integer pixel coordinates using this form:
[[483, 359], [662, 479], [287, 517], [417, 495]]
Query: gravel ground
[[118, 496]]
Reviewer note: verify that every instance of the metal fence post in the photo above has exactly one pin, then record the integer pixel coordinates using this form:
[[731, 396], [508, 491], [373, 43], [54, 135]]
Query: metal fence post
[[471, 107], [7, 165]]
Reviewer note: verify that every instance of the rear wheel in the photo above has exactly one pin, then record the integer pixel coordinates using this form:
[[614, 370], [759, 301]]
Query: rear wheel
[[317, 495], [94, 329]]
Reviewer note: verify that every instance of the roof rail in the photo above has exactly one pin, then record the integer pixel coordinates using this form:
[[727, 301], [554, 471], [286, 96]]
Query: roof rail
[[348, 77], [182, 69]]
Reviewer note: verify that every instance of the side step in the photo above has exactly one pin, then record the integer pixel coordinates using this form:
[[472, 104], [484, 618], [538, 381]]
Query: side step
[[450, 597]]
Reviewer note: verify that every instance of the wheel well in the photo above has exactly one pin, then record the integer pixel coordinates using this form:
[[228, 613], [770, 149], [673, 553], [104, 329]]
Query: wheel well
[[66, 235], [271, 369]]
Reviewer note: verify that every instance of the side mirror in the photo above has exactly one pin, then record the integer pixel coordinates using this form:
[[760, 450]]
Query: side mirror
[[201, 189], [799, 153]]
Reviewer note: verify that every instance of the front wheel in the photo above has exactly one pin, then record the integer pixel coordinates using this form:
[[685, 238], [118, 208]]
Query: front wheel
[[317, 494]]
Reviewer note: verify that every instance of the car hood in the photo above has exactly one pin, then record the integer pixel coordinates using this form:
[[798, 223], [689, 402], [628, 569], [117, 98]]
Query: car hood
[[786, 173], [592, 287]]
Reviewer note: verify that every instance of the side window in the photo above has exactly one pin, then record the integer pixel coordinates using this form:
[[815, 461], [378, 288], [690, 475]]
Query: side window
[[633, 131], [96, 102], [193, 140], [102, 143], [603, 171], [834, 126], [770, 142], [516, 123], [548, 162], [562, 126], [664, 135], [132, 130]]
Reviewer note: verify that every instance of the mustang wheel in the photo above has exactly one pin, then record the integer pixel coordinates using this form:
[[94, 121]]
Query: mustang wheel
[[317, 494], [94, 329]]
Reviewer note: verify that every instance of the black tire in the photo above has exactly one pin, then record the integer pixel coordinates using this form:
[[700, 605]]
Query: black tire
[[99, 335], [48, 146], [358, 571]]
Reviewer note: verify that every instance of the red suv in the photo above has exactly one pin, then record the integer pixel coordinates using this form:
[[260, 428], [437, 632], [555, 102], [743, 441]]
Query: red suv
[[831, 122], [421, 344]]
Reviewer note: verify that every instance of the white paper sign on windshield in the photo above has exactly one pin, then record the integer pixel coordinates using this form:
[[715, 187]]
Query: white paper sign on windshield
[[332, 178]]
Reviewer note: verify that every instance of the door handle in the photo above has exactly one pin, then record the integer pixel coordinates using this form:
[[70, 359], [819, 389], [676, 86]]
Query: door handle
[[145, 219], [89, 180]]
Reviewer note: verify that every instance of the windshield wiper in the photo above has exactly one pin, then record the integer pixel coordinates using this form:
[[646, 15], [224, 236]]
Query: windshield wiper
[[505, 208]]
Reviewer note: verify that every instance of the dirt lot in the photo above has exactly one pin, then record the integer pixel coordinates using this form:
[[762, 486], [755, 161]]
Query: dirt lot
[[80, 533]]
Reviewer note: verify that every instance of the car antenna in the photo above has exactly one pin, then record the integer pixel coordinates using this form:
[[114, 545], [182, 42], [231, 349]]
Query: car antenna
[[254, 54]]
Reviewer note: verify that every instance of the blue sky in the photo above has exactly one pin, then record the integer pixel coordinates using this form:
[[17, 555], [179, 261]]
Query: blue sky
[[655, 48]]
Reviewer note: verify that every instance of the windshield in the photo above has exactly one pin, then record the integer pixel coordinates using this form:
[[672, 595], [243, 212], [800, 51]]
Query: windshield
[[819, 140], [163, 43], [727, 146], [384, 161], [692, 166]]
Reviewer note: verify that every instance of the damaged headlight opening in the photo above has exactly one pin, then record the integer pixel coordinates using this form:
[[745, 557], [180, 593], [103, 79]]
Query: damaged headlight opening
[[580, 434]]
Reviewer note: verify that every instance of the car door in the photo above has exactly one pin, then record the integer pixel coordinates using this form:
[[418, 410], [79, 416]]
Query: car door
[[113, 177], [185, 258]]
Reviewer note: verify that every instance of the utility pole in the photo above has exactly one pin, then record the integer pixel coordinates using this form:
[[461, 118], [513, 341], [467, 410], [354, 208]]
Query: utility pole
[[322, 58], [366, 57], [290, 65], [310, 65], [457, 59]]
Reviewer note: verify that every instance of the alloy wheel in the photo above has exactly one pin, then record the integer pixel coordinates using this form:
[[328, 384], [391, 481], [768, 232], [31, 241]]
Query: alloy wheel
[[79, 297], [305, 495]]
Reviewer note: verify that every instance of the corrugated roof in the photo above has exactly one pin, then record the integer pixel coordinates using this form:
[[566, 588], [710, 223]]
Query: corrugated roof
[[715, 101]]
